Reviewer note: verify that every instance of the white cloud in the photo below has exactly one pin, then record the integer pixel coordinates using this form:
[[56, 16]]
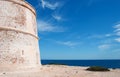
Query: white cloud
[[117, 39], [49, 5], [104, 46], [57, 17], [49, 27], [100, 36], [107, 41], [117, 26], [109, 35], [117, 32], [117, 29], [68, 43]]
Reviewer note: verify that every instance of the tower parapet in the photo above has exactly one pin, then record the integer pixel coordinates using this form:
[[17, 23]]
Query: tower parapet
[[18, 34]]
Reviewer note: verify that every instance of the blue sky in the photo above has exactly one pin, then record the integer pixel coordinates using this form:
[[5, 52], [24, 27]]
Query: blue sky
[[78, 29]]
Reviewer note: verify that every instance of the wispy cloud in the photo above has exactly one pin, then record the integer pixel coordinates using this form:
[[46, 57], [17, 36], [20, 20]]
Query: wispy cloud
[[68, 43], [109, 35], [109, 42], [43, 25], [100, 36], [117, 29], [117, 32], [71, 44], [104, 46], [117, 39], [57, 17], [49, 27], [46, 4]]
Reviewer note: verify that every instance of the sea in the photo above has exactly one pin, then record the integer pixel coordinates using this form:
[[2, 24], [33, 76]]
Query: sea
[[104, 63]]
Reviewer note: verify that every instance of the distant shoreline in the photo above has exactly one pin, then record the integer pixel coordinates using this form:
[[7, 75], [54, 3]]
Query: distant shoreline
[[85, 63]]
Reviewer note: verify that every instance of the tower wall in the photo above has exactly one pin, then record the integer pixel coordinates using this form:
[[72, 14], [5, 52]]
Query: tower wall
[[18, 34]]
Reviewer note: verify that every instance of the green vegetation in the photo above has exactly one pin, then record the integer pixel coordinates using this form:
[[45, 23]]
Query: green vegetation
[[97, 68], [113, 68]]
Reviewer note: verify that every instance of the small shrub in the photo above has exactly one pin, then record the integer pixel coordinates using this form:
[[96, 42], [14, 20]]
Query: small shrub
[[113, 68], [97, 68]]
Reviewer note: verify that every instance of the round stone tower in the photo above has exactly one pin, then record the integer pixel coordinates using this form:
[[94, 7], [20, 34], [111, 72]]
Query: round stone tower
[[18, 34]]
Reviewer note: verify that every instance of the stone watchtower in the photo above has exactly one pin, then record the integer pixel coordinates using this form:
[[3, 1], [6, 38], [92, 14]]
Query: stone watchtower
[[18, 34]]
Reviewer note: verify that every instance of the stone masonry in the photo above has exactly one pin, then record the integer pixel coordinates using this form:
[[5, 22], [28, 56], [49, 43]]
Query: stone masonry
[[18, 34]]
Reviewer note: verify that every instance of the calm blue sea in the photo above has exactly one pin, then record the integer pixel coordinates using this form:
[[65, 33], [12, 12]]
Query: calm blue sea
[[104, 63]]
